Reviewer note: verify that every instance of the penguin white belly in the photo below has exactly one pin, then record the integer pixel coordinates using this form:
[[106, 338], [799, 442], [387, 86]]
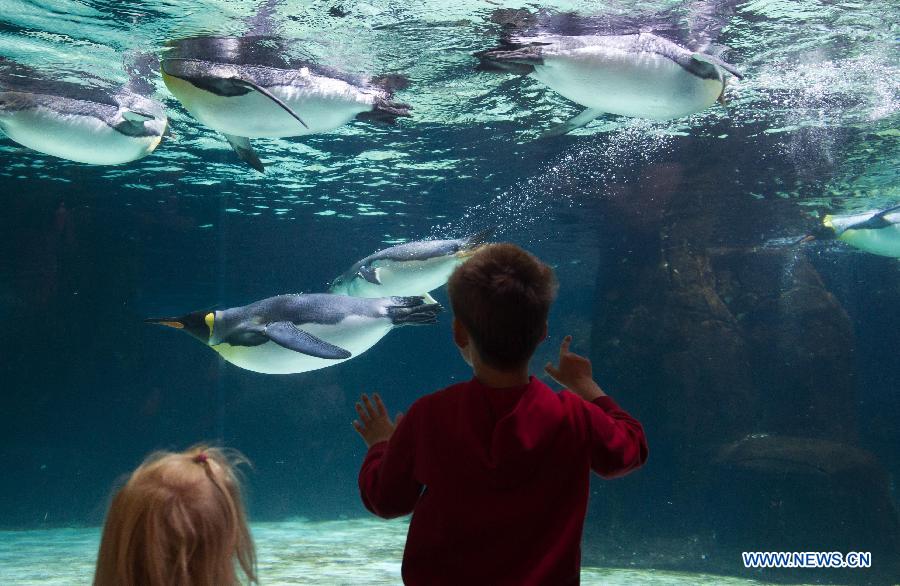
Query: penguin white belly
[[883, 241], [406, 278], [254, 115], [84, 139], [355, 334], [640, 85]]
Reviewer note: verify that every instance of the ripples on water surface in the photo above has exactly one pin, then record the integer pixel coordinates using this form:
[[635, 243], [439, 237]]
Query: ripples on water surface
[[822, 76]]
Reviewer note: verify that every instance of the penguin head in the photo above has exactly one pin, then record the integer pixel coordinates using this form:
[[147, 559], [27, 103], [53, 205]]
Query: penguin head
[[197, 323], [823, 232]]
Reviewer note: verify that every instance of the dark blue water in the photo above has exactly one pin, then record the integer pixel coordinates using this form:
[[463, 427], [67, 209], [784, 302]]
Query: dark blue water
[[89, 389], [765, 373]]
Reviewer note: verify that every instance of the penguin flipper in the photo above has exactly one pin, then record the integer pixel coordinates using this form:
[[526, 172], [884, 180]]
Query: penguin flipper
[[370, 274], [287, 335], [241, 145], [877, 221], [254, 86], [571, 124], [138, 117], [887, 211]]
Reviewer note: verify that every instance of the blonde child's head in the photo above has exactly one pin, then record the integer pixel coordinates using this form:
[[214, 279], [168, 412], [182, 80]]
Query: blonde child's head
[[178, 521]]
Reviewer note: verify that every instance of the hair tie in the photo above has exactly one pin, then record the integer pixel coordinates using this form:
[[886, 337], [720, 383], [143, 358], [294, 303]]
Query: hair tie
[[201, 458]]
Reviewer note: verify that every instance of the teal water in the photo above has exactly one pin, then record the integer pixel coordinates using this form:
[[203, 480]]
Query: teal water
[[766, 373]]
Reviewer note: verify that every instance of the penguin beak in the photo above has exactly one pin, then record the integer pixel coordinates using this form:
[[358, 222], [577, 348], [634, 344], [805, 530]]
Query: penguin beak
[[825, 232], [165, 321], [199, 324]]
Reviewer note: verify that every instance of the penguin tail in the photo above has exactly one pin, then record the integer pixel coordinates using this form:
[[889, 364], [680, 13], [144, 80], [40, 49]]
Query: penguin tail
[[509, 58], [386, 110], [391, 82], [476, 240], [406, 311]]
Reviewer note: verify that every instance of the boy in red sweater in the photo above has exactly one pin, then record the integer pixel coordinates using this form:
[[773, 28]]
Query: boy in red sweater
[[496, 470]]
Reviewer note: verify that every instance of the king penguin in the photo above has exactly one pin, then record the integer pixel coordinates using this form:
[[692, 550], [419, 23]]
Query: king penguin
[[298, 333], [875, 231], [94, 124], [412, 268], [639, 75], [248, 87]]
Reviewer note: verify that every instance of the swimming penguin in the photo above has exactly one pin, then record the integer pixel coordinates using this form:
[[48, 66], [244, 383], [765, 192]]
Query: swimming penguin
[[413, 268], [95, 124], [248, 87], [640, 75], [298, 333], [877, 232]]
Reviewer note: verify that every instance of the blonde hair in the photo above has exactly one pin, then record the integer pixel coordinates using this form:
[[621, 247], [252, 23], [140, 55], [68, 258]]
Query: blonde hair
[[178, 521]]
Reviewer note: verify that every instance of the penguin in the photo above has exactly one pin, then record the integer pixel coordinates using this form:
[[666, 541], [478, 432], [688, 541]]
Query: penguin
[[95, 124], [639, 75], [248, 87], [289, 334], [413, 268], [877, 232]]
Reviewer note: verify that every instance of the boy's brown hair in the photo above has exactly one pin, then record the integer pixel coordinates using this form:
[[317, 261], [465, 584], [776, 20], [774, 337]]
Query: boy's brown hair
[[179, 521], [502, 295]]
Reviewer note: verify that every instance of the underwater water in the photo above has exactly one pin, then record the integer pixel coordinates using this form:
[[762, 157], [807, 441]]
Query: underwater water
[[765, 372]]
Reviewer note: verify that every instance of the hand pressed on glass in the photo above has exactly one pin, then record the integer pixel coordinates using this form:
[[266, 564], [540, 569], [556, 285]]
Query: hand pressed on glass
[[374, 425]]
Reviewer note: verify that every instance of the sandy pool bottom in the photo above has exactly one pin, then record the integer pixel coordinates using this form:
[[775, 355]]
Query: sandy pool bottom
[[356, 551]]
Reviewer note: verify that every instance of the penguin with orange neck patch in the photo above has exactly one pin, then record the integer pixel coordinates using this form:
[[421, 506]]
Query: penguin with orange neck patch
[[298, 333], [877, 232]]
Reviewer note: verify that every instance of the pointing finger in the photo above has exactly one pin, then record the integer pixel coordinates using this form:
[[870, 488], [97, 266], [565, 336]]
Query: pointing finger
[[552, 371], [564, 347]]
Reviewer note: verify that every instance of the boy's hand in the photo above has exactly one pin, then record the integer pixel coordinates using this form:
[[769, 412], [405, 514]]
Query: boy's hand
[[373, 424], [574, 372]]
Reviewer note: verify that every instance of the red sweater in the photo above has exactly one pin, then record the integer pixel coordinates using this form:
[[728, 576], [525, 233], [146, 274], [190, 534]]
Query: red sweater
[[497, 481]]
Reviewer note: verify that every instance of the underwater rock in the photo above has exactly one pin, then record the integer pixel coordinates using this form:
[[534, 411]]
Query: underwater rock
[[784, 493], [708, 344], [801, 341]]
